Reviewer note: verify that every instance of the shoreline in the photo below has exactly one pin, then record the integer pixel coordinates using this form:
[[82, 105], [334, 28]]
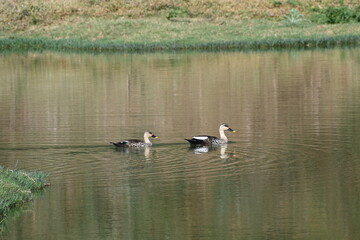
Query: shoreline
[[18, 187], [160, 25], [24, 44], [158, 34]]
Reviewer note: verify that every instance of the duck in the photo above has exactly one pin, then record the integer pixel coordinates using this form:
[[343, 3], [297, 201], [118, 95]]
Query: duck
[[136, 143], [209, 140]]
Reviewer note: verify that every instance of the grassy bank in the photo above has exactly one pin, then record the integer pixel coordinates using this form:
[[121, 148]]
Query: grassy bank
[[17, 187], [22, 14], [161, 34], [61, 45], [172, 25]]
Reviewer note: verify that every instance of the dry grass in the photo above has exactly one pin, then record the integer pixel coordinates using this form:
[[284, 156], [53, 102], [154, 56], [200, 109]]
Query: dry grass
[[22, 14], [144, 24]]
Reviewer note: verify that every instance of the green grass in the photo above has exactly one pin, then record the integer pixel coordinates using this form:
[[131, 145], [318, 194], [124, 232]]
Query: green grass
[[18, 187], [164, 24], [152, 34], [39, 44]]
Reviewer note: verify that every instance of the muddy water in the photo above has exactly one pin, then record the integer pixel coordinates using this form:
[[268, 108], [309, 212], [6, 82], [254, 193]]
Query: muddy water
[[291, 171]]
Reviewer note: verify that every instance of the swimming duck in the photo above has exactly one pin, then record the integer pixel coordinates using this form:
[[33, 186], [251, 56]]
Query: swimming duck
[[207, 140], [136, 142]]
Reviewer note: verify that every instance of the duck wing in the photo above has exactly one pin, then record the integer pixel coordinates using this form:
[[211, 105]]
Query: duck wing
[[126, 143], [201, 139]]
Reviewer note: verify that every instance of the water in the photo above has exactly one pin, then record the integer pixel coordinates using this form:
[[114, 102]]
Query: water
[[291, 171]]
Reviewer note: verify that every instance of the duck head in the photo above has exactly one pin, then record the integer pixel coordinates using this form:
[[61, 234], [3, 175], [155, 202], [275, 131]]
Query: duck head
[[150, 134], [225, 127]]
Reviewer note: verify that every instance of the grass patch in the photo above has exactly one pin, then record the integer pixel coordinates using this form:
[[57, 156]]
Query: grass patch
[[163, 24], [336, 14], [160, 34], [17, 187], [265, 44], [28, 9], [24, 14]]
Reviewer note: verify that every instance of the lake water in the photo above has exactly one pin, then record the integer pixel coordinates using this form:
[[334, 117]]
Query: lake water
[[291, 170]]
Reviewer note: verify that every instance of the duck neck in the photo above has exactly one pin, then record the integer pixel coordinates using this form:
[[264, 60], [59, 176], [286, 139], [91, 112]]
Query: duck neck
[[146, 139], [222, 135]]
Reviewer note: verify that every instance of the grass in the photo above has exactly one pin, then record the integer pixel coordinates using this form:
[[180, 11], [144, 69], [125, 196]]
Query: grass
[[39, 44], [123, 25], [32, 12], [160, 34], [17, 187]]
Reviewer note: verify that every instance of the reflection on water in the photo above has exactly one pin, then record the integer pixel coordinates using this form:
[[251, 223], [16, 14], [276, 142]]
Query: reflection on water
[[196, 149], [145, 151], [291, 171]]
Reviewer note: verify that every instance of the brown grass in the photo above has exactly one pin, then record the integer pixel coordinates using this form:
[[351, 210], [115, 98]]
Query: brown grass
[[21, 14]]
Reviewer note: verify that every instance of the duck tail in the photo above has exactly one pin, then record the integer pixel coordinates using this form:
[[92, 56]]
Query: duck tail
[[194, 141], [115, 144]]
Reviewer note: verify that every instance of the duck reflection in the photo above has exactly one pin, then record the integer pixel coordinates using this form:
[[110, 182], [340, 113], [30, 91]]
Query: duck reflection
[[202, 149], [137, 151]]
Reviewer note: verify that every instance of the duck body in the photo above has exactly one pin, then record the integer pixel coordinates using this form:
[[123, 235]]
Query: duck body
[[136, 143], [205, 140], [131, 143], [211, 140]]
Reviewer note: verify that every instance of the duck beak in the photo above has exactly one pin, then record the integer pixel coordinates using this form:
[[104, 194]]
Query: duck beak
[[231, 130], [154, 136]]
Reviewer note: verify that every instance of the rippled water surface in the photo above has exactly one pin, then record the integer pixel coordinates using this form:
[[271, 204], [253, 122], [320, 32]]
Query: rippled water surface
[[291, 170]]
